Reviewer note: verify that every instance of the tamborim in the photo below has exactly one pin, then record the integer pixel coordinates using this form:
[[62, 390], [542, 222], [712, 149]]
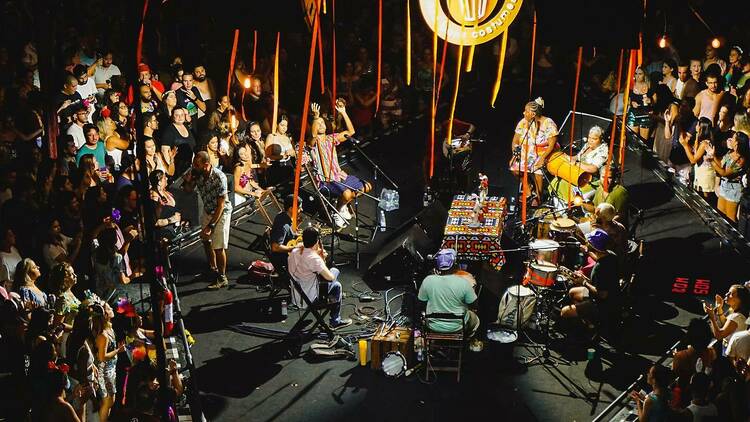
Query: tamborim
[[559, 165]]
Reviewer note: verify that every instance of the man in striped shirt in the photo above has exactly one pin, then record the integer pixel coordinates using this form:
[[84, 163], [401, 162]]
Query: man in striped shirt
[[329, 175]]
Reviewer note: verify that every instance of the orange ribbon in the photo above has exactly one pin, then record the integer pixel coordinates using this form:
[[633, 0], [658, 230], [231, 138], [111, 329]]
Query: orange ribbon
[[614, 124], [320, 61], [573, 117], [334, 93], [306, 105], [500, 65], [139, 47], [434, 93], [380, 53], [626, 104], [255, 47], [231, 59], [533, 47], [276, 83], [408, 43]]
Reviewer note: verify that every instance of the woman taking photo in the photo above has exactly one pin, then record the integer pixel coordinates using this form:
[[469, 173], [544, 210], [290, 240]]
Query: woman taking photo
[[639, 113], [724, 325], [730, 169], [705, 176]]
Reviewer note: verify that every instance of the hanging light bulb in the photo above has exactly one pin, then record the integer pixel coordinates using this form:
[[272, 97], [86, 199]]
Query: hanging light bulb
[[577, 200], [246, 83], [715, 43], [663, 41]]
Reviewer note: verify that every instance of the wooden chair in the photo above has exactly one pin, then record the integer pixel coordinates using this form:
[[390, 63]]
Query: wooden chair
[[450, 343]]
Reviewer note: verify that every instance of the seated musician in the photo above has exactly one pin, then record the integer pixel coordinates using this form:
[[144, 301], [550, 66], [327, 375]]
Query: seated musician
[[457, 151], [306, 264], [598, 295], [447, 292], [281, 233], [329, 174], [534, 140], [590, 159], [615, 194]]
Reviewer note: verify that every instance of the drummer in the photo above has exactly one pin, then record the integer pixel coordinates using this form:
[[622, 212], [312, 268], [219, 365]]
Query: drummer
[[616, 195], [598, 296], [448, 292], [590, 159], [534, 140], [457, 151]]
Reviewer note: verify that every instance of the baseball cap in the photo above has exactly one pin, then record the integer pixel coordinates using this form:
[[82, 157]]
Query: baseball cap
[[143, 67], [444, 259], [598, 239]]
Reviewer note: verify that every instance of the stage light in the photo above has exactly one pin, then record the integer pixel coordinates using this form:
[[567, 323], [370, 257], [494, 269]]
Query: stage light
[[246, 83], [577, 200], [715, 43], [663, 41]]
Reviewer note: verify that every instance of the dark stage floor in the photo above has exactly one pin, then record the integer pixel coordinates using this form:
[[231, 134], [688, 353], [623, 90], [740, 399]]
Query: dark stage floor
[[243, 377]]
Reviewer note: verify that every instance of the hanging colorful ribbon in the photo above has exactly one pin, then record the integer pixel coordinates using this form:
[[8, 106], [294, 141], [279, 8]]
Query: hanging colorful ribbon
[[625, 105], [255, 47], [459, 62], [442, 68], [470, 56], [276, 84], [433, 109], [305, 107], [334, 92], [614, 124], [533, 48], [408, 43], [139, 47], [573, 117], [231, 60], [380, 54], [500, 65], [320, 61], [524, 179]]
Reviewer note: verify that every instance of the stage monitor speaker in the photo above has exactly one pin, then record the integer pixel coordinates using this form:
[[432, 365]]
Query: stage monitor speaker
[[403, 255]]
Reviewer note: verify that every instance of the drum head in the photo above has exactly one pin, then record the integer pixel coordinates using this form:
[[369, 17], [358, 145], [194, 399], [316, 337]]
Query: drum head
[[543, 245], [544, 267], [519, 291], [563, 224], [501, 335], [394, 364]]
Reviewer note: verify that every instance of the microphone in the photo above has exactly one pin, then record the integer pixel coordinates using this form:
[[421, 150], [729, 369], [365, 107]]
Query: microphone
[[354, 140], [412, 369]]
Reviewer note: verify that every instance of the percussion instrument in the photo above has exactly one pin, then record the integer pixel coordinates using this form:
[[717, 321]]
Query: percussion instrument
[[516, 298], [543, 218], [394, 364], [558, 164], [545, 250], [467, 275], [541, 274], [562, 228], [323, 231]]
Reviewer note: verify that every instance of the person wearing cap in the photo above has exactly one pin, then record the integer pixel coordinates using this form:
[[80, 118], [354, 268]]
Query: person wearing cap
[[282, 233], [306, 265], [447, 292], [597, 296]]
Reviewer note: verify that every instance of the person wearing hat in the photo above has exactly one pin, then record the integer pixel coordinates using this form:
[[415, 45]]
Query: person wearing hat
[[447, 292], [282, 233], [599, 294], [615, 194], [144, 78]]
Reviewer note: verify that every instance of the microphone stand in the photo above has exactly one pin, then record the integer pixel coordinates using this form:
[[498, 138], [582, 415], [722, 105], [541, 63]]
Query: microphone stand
[[358, 192], [355, 143]]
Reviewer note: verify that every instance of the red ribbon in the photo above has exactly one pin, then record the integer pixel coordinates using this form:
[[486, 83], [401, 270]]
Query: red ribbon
[[231, 59], [139, 47]]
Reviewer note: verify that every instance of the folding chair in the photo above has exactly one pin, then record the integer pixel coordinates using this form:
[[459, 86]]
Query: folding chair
[[319, 308], [262, 209], [279, 281], [448, 342]]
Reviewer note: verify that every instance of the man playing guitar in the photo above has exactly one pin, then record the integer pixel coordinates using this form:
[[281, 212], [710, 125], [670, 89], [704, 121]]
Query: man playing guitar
[[306, 264], [281, 233]]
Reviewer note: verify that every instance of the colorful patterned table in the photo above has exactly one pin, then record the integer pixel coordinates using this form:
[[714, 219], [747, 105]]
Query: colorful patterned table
[[481, 243]]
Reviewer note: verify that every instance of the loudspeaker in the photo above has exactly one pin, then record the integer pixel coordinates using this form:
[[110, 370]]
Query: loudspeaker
[[402, 257]]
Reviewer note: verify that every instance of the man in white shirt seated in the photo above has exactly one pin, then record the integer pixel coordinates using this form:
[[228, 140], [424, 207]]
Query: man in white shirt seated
[[306, 264]]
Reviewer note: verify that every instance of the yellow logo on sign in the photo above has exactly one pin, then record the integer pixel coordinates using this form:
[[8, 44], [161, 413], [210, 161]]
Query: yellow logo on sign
[[469, 22]]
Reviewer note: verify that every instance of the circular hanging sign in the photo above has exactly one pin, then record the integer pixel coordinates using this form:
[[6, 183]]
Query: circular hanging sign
[[469, 22]]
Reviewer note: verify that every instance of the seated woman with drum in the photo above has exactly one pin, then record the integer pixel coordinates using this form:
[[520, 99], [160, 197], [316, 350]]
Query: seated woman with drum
[[581, 170]]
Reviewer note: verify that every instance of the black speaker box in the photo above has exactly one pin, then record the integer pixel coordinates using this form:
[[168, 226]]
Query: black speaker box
[[402, 256]]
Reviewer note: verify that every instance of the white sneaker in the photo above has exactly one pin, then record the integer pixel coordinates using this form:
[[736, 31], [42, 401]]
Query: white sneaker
[[344, 211], [340, 222]]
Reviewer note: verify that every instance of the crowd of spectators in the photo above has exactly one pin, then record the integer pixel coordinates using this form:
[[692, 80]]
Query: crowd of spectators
[[71, 193]]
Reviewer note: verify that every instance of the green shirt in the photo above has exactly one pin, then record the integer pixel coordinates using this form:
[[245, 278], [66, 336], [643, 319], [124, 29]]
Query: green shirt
[[618, 198], [446, 294]]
